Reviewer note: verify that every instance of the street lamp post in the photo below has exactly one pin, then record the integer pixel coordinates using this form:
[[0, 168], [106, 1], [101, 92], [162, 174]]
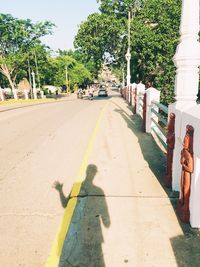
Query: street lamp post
[[128, 54]]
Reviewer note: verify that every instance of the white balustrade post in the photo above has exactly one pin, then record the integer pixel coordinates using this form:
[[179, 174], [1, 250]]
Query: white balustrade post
[[140, 91], [42, 94], [34, 86], [134, 85], [26, 94], [152, 95], [2, 96], [191, 117], [15, 94], [187, 61]]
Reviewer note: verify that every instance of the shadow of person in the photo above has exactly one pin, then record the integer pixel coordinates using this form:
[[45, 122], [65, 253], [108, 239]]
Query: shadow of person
[[83, 243]]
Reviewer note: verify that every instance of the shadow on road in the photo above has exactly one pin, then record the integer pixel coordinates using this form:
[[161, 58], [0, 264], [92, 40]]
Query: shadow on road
[[83, 242]]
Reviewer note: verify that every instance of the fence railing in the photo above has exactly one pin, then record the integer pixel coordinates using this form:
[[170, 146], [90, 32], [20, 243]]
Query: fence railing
[[174, 134], [159, 126]]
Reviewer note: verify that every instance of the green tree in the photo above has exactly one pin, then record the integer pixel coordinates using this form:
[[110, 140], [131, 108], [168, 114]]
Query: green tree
[[98, 39], [155, 35], [56, 72], [17, 37]]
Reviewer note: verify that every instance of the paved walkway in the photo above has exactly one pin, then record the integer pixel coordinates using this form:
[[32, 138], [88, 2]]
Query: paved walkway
[[123, 215]]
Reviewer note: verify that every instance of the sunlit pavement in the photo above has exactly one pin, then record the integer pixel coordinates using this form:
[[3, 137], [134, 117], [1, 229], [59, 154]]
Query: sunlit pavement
[[119, 213]]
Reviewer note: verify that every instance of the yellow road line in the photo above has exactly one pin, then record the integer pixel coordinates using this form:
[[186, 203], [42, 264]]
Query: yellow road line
[[54, 257]]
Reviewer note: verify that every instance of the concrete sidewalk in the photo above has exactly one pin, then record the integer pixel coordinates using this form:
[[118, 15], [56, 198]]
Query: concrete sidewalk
[[124, 216]]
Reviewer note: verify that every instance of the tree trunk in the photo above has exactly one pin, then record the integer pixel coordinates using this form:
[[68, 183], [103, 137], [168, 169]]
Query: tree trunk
[[7, 73]]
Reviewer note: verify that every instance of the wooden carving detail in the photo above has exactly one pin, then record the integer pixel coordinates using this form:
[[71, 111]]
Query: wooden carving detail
[[187, 163], [130, 103], [170, 149], [144, 111], [135, 100]]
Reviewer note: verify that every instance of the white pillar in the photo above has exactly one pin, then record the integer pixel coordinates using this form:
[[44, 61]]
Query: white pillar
[[191, 117], [15, 94], [42, 94], [134, 85], [128, 58], [26, 94], [152, 95], [34, 86], [2, 97], [140, 92], [187, 61]]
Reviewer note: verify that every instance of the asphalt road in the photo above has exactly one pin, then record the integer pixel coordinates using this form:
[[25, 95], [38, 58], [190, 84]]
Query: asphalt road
[[122, 215], [39, 144]]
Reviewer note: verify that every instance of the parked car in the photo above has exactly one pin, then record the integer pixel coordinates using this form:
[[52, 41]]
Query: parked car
[[102, 92]]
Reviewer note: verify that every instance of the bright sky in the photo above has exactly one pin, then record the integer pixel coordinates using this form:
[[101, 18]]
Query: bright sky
[[66, 14]]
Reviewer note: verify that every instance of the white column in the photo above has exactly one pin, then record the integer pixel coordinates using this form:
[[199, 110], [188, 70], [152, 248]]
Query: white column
[[187, 61], [26, 94], [128, 58], [42, 94], [34, 86], [191, 116], [2, 97], [15, 94], [140, 92], [152, 95], [134, 85]]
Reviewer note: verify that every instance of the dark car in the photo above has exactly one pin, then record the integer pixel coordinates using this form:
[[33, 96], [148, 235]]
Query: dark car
[[102, 92]]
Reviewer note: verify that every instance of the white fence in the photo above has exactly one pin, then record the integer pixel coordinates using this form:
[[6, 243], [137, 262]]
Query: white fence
[[155, 119]]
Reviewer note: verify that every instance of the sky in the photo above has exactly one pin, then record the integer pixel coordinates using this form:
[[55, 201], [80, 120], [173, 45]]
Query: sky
[[66, 14]]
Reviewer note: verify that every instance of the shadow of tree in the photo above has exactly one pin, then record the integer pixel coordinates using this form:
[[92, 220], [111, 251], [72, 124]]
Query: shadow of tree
[[83, 243]]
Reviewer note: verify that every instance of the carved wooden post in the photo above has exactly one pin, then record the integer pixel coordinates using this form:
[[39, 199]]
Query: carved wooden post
[[124, 93], [135, 100], [187, 163], [144, 112], [130, 97], [170, 150]]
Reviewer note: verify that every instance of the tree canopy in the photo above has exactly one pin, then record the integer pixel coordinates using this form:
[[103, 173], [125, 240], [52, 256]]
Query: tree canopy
[[154, 37], [17, 38]]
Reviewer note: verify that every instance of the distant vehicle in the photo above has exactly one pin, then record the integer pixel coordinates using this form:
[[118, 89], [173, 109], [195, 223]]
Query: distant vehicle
[[102, 92], [102, 86], [114, 86]]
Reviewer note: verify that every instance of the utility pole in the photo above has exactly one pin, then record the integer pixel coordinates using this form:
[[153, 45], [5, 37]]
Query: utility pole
[[37, 72], [30, 82]]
